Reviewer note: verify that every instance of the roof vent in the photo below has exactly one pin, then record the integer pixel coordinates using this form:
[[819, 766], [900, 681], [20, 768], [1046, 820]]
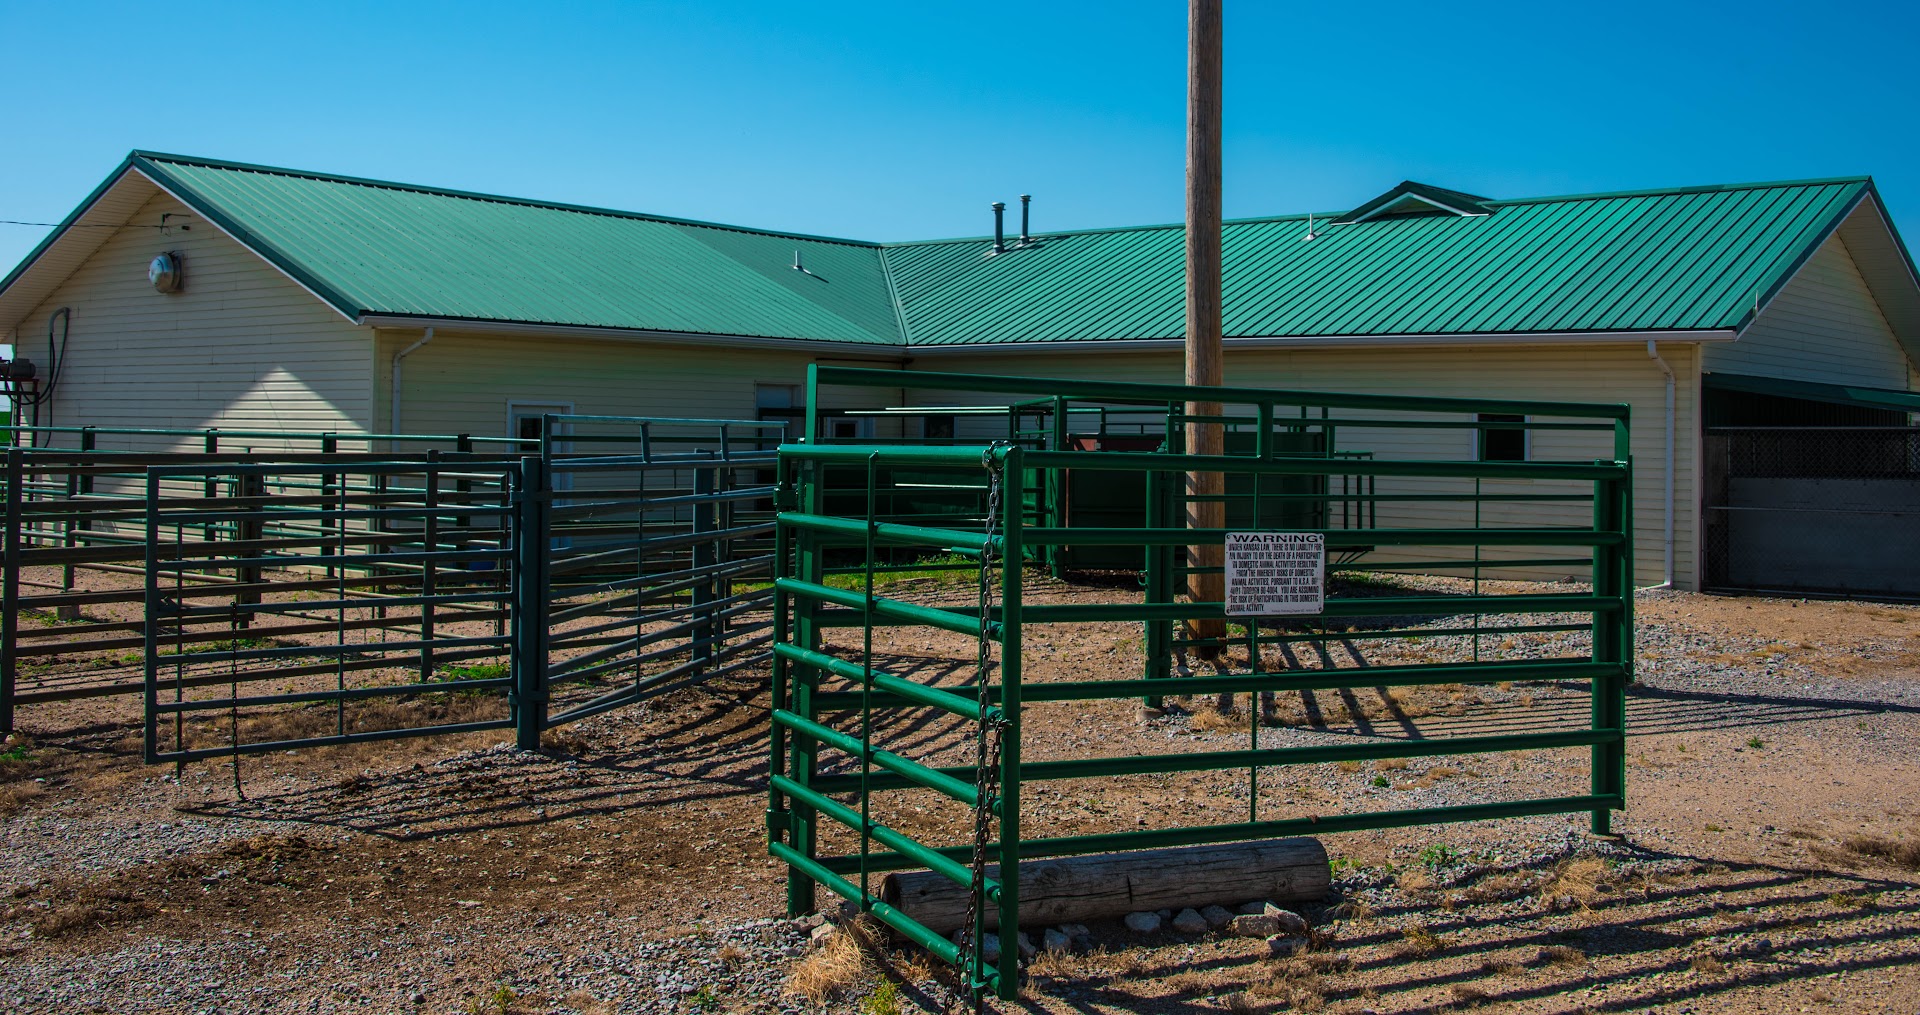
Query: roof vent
[[999, 227]]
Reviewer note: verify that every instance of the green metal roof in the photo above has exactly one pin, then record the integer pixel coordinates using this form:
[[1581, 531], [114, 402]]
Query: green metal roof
[[1697, 259], [370, 247], [1690, 259]]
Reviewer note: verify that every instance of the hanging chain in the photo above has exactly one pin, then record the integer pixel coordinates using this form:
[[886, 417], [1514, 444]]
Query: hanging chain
[[992, 726]]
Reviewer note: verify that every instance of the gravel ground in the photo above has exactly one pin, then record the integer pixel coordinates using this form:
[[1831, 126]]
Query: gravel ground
[[624, 870]]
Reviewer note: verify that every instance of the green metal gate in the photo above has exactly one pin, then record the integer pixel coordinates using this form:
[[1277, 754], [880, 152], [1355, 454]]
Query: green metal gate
[[1562, 514]]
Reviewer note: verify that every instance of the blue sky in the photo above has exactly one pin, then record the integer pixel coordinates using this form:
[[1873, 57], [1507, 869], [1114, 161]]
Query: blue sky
[[903, 120]]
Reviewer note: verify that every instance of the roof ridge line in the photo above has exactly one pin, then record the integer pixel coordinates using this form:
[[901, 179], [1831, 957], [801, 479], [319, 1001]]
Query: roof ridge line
[[469, 195], [1246, 221], [1706, 188]]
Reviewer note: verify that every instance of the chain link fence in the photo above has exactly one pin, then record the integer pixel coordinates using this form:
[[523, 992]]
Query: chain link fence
[[1828, 510]]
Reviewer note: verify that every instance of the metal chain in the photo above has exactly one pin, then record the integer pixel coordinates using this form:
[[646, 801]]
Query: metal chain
[[992, 726]]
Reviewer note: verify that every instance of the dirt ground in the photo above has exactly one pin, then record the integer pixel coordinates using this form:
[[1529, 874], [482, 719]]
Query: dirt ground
[[1769, 858]]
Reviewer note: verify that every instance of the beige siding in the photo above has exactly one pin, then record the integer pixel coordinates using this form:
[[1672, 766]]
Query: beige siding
[[462, 383], [1587, 374], [1824, 326], [241, 348]]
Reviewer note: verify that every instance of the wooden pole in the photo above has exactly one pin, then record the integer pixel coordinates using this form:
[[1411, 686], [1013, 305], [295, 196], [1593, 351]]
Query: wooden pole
[[1204, 358], [1103, 886]]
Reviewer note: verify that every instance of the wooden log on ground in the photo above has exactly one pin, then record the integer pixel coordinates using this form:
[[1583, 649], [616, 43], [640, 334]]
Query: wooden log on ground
[[1107, 885]]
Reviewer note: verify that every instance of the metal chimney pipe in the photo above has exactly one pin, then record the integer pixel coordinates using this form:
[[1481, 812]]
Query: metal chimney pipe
[[999, 227], [1025, 201]]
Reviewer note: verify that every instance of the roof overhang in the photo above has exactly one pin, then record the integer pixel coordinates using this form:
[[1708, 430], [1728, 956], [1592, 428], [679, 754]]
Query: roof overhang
[[457, 325], [1886, 266], [1837, 394], [78, 237], [1342, 341]]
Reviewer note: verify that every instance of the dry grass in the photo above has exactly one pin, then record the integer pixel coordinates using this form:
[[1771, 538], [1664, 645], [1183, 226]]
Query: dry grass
[[1349, 766], [1503, 966], [1707, 964], [88, 911], [1214, 720], [1352, 909], [1242, 1003], [1561, 955], [1390, 764], [1469, 996], [1415, 880], [1582, 879], [842, 962], [1904, 851], [14, 795], [1190, 982], [1292, 984], [1497, 888], [1418, 941]]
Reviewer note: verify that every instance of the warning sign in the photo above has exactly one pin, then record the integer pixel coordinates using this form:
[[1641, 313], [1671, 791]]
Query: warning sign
[[1276, 573]]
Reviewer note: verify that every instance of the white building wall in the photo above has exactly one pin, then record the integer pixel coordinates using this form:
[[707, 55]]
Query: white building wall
[[1824, 326], [241, 347]]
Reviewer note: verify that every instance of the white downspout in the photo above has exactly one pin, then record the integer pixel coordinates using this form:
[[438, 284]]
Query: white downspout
[[1653, 353], [393, 382]]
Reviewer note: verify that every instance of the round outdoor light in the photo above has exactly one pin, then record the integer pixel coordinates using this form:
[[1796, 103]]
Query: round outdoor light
[[164, 272]]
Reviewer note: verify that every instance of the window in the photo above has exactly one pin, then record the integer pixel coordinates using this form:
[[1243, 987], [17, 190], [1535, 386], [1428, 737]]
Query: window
[[526, 420], [937, 428], [848, 428], [1502, 444]]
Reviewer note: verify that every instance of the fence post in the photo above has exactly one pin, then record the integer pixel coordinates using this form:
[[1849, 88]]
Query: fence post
[[10, 606], [1159, 586], [803, 751], [1612, 638], [430, 566], [705, 558], [253, 489], [529, 588]]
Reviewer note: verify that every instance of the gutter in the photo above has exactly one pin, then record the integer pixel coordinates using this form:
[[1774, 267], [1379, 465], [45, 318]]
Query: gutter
[[887, 350], [1342, 341], [393, 382], [1653, 353]]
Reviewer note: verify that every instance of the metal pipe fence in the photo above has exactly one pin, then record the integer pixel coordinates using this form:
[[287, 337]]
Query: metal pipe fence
[[305, 594], [848, 721]]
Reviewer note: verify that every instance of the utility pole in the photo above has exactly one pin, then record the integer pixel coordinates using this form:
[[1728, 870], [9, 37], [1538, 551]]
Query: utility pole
[[1205, 509]]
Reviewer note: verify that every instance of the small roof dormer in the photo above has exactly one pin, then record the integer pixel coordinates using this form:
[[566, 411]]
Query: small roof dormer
[[1410, 198]]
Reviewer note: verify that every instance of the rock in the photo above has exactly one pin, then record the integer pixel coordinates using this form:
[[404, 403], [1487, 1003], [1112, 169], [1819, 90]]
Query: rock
[[1148, 713], [417, 998], [1164, 914], [989, 949], [1190, 922], [820, 934], [1253, 925], [1281, 946], [1255, 907], [1078, 934], [1217, 916], [1143, 923], [1290, 921], [1056, 940], [1027, 950]]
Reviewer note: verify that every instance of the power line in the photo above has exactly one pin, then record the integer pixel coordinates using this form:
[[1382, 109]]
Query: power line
[[82, 225]]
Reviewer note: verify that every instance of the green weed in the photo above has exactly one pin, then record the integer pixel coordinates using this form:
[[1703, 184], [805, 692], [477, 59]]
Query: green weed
[[1439, 855], [1756, 743], [1380, 782], [885, 1000]]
